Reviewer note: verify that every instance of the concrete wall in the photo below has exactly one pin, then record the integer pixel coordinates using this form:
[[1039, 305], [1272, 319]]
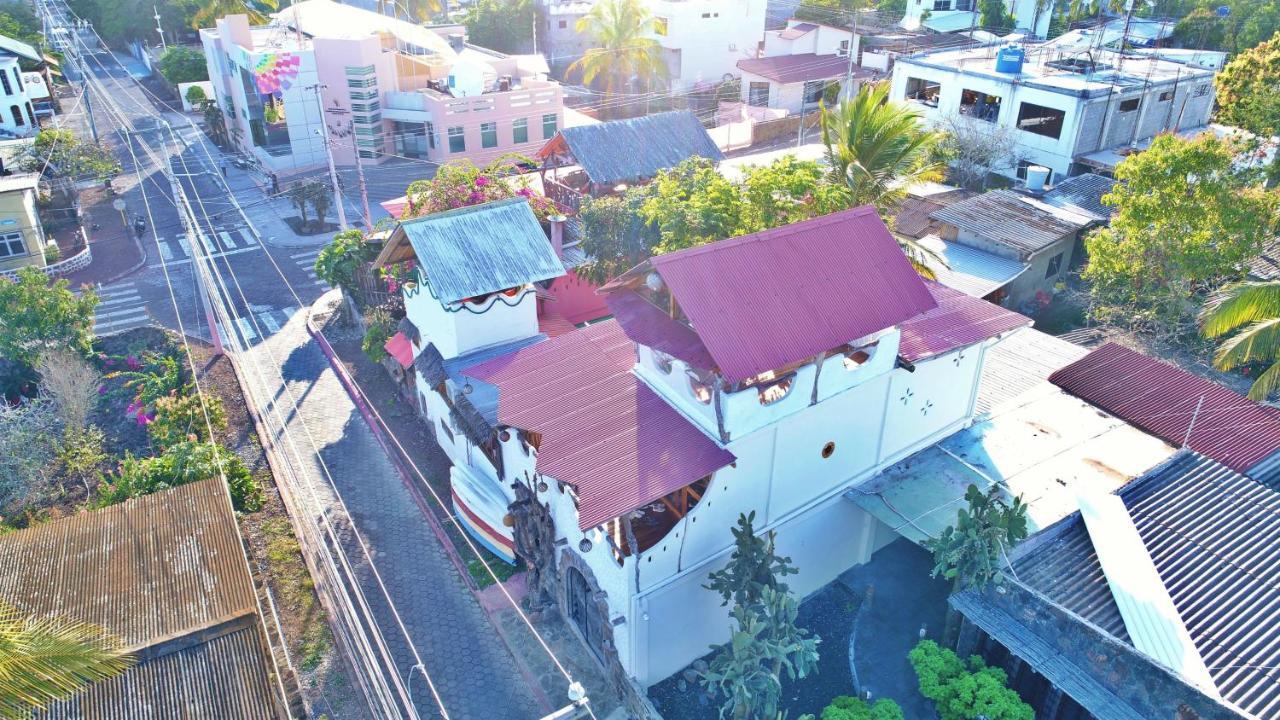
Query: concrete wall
[[18, 214], [459, 328], [824, 40], [709, 47], [22, 123]]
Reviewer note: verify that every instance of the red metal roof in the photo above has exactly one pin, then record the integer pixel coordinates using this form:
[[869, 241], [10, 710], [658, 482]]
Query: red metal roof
[[1161, 399], [957, 321], [603, 430], [646, 324], [787, 69], [762, 301], [551, 322], [398, 347]]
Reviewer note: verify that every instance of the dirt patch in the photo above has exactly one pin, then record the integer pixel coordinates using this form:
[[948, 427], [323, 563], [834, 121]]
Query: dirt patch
[[311, 228]]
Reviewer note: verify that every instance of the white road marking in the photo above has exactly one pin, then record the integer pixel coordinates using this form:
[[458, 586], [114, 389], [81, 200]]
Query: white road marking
[[249, 239], [226, 240], [305, 255], [165, 252], [185, 261], [182, 242], [109, 300], [208, 243], [120, 313], [268, 322], [246, 329]]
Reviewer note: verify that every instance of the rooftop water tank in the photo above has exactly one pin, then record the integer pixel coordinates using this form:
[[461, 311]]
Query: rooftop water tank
[[1037, 176], [1009, 59]]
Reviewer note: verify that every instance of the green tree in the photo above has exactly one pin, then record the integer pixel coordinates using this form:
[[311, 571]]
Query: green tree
[[968, 553], [1248, 23], [963, 691], [994, 16], [195, 96], [1187, 219], [789, 190], [340, 260], [63, 156], [622, 50], [182, 463], [211, 10], [503, 25], [215, 123], [765, 644], [321, 200], [18, 21], [615, 235], [37, 315], [47, 659], [1249, 89], [1248, 312], [846, 707], [300, 195], [693, 204], [181, 64]]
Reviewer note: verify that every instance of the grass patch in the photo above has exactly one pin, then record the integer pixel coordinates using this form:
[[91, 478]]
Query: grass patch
[[500, 568], [296, 592]]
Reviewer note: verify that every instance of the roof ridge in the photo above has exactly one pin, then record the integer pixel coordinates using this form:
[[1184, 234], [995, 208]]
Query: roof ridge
[[466, 210], [763, 235]]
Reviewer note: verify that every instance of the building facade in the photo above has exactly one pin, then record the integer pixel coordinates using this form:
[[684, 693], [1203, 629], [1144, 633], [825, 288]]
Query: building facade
[[387, 88], [22, 238], [1059, 106], [959, 15], [702, 41], [17, 114]]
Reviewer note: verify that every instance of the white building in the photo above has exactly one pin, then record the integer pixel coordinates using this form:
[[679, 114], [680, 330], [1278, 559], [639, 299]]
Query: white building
[[800, 64], [958, 15], [703, 40], [623, 452], [17, 115], [1061, 105]]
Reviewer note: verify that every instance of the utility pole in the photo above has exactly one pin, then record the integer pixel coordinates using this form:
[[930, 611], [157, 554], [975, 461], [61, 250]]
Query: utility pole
[[535, 34], [159, 29], [328, 151], [854, 47], [88, 104], [364, 192]]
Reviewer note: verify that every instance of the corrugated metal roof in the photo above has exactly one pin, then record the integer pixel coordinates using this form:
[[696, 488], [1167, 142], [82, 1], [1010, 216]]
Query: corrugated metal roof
[[797, 30], [146, 568], [225, 678], [482, 396], [603, 431], [481, 249], [912, 216], [1153, 622], [166, 574], [803, 67], [1163, 399], [1266, 266], [762, 301], [1012, 219], [970, 270], [1083, 194], [1019, 362], [637, 148], [957, 321], [646, 324], [1214, 536]]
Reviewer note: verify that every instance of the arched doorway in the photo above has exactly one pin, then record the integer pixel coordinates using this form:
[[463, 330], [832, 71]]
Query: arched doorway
[[583, 610]]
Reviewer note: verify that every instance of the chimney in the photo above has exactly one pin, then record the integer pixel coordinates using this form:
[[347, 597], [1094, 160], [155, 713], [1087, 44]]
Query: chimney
[[457, 41], [557, 234]]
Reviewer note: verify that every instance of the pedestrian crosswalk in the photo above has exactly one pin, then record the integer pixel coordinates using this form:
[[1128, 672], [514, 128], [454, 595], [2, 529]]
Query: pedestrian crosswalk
[[120, 307], [262, 320], [306, 260], [176, 249]]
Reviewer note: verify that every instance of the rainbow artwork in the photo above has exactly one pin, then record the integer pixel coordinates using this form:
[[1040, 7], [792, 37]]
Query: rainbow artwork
[[276, 72]]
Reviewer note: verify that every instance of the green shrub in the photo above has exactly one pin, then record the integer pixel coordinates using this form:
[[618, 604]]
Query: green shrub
[[381, 326], [196, 96], [51, 254], [960, 690], [183, 65], [182, 463], [179, 418], [845, 707], [339, 261]]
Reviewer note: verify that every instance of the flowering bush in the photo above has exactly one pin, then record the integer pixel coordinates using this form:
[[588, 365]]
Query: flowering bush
[[399, 275], [149, 378], [180, 418], [460, 184], [185, 462]]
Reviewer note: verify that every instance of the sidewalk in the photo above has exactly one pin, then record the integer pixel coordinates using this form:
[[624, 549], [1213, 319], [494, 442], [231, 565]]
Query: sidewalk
[[476, 676], [116, 250]]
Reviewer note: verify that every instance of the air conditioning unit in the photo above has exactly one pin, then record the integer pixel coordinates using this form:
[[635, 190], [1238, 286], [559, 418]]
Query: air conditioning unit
[[733, 47]]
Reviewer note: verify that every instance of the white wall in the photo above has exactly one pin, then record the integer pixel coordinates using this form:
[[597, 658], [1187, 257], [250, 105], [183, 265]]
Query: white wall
[[463, 327], [15, 98], [824, 40], [710, 47]]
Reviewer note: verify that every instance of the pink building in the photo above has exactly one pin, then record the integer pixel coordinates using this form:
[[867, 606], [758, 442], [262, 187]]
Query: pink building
[[388, 88]]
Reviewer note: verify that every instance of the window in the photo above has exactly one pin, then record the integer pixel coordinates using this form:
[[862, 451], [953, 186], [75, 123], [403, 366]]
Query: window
[[844, 49], [520, 130], [562, 24], [4, 78], [1041, 120], [980, 105], [431, 135], [758, 94], [926, 91], [814, 90], [11, 245], [663, 361], [548, 126], [366, 107], [1166, 96], [706, 16], [17, 114], [661, 26], [1130, 105], [457, 140], [1055, 266], [30, 115], [966, 5], [371, 119], [362, 82], [1200, 91], [17, 78], [941, 5], [488, 134], [360, 71]]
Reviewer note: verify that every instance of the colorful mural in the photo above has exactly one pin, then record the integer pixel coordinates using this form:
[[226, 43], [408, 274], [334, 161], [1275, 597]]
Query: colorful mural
[[276, 72]]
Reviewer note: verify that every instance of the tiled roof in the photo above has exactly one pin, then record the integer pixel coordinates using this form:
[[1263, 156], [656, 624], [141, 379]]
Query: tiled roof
[[1083, 194], [760, 302], [1214, 536], [1008, 218], [1163, 400], [957, 321], [603, 431], [163, 572], [786, 69], [481, 249], [637, 148]]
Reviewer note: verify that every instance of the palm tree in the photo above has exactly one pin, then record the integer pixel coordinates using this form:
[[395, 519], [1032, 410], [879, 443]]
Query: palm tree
[[619, 29], [211, 10], [879, 149], [1253, 308], [43, 660]]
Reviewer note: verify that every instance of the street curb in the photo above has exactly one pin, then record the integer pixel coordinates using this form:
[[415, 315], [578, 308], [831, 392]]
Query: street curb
[[348, 384]]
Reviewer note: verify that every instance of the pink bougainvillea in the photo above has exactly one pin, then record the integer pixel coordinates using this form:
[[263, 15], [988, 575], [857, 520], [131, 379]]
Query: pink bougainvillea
[[460, 184]]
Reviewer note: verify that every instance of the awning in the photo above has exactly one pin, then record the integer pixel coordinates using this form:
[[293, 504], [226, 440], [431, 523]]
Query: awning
[[401, 349]]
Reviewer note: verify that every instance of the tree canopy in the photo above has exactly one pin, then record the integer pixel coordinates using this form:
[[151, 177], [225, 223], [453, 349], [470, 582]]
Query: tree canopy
[[621, 47], [1248, 23], [38, 315], [503, 25], [61, 154], [18, 21], [183, 64], [1187, 219], [1249, 89]]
